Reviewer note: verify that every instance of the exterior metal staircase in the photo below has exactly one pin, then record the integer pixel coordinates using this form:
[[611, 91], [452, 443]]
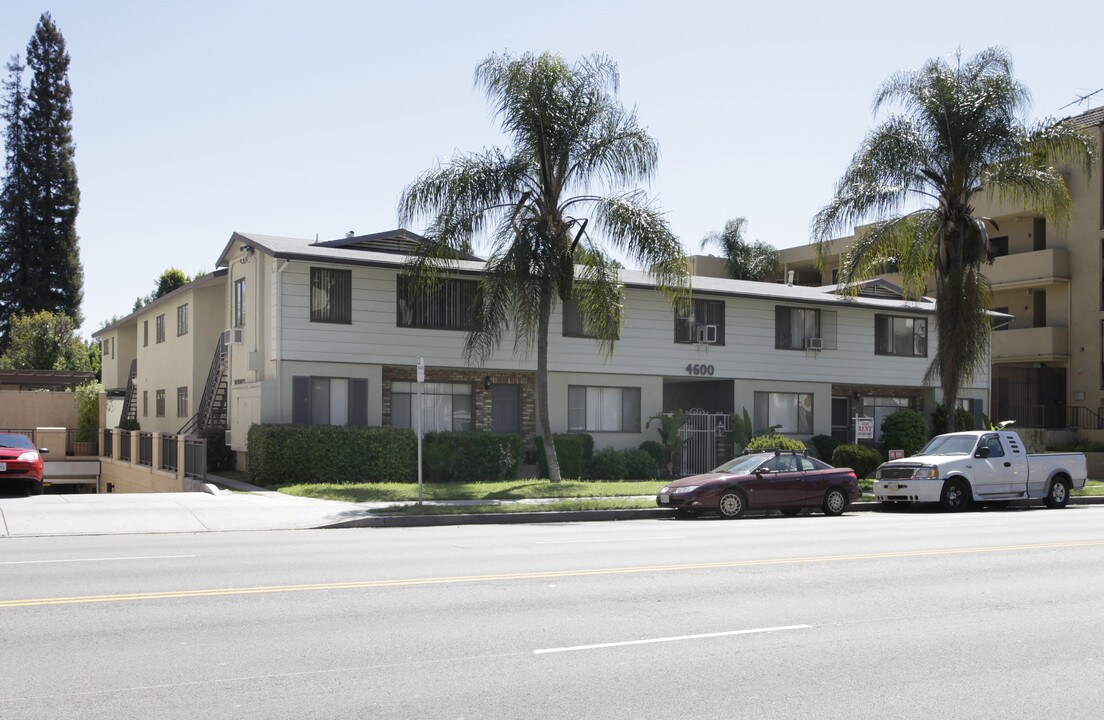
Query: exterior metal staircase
[[212, 404], [130, 400]]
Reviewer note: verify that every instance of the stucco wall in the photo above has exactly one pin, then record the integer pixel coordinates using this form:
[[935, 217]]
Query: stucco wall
[[20, 409]]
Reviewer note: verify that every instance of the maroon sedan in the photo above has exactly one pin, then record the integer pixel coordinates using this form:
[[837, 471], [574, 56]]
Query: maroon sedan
[[772, 480], [20, 462]]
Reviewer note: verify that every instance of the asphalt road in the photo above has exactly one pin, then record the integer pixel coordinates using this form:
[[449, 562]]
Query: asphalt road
[[995, 614]]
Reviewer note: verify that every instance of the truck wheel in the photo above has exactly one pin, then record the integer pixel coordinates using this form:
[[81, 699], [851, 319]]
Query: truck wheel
[[955, 496], [1058, 495]]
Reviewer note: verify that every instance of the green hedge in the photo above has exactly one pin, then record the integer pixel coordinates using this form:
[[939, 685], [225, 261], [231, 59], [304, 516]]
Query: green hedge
[[282, 454], [904, 430], [608, 464], [471, 456], [774, 442], [640, 465], [863, 459], [573, 450]]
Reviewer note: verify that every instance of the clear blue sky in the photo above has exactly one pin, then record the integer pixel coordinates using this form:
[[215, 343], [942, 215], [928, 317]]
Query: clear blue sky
[[195, 119]]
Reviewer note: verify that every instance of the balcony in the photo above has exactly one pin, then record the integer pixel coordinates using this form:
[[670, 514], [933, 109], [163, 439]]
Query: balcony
[[1029, 269], [1042, 344]]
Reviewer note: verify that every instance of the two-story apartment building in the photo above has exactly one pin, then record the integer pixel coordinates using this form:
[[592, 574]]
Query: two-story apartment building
[[160, 354], [300, 331], [1048, 360]]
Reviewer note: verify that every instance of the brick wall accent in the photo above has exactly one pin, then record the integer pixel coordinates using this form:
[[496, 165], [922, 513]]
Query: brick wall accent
[[481, 395]]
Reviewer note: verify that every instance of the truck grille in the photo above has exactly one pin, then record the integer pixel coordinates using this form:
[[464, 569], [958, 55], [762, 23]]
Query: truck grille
[[899, 473]]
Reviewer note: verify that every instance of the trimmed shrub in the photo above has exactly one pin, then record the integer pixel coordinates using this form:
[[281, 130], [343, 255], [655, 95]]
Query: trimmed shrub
[[471, 456], [219, 454], [811, 449], [608, 464], [904, 430], [863, 459], [573, 450], [825, 445], [963, 420], [640, 465], [284, 454], [129, 425], [774, 442], [657, 452], [88, 411]]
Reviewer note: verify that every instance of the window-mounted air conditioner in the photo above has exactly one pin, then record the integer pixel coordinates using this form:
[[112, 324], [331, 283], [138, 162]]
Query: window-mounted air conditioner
[[814, 343], [233, 336], [706, 333]]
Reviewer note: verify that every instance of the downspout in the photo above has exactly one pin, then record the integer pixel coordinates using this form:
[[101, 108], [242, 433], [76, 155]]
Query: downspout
[[278, 341]]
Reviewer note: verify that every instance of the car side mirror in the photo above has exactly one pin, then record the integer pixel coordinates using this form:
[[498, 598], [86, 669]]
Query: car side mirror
[[44, 451], [982, 452]]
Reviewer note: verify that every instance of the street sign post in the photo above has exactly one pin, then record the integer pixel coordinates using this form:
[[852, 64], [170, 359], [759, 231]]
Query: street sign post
[[421, 381]]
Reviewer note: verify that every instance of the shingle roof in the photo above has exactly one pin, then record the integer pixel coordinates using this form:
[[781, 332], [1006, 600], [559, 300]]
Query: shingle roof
[[1089, 118]]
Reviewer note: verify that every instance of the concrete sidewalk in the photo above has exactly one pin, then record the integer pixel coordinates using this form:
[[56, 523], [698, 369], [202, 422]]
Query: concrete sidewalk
[[111, 514]]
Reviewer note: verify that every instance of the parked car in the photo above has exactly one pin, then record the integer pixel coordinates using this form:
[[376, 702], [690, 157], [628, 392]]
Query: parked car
[[979, 466], [20, 462], [771, 480]]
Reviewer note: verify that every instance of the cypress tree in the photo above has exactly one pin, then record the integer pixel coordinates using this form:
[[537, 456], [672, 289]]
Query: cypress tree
[[41, 238]]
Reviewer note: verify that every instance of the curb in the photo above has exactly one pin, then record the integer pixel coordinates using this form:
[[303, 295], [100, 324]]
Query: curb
[[398, 521]]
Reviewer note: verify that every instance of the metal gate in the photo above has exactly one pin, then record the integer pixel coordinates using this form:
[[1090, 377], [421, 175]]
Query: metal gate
[[698, 437]]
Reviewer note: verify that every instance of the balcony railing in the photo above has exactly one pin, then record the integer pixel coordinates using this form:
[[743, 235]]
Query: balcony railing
[[1029, 269], [1031, 344], [124, 445], [168, 453], [106, 450]]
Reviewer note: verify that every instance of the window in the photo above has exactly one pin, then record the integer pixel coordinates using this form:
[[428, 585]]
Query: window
[[239, 303], [159, 322], [447, 305], [705, 323], [329, 401], [603, 409], [159, 403], [573, 325], [900, 336], [797, 328], [182, 402], [881, 407], [998, 246], [145, 333], [785, 412], [331, 296], [182, 320], [145, 403], [445, 406], [994, 444]]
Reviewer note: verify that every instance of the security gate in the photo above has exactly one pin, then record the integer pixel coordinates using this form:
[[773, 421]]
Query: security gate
[[698, 440]]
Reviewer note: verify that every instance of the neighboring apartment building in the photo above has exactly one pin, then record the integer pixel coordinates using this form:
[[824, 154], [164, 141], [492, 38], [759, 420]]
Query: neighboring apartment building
[[329, 333], [1048, 362], [160, 354]]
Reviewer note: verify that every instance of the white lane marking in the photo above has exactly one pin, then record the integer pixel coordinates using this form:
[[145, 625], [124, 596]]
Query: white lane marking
[[566, 542], [103, 559], [673, 639]]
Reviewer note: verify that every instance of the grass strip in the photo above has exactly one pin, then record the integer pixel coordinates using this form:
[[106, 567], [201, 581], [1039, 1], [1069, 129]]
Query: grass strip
[[563, 506], [506, 490]]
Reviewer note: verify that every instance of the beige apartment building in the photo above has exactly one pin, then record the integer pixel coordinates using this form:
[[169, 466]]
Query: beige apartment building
[[1048, 361]]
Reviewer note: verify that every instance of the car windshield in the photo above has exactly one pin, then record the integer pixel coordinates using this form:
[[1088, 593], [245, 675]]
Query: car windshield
[[11, 440], [950, 445], [744, 465]]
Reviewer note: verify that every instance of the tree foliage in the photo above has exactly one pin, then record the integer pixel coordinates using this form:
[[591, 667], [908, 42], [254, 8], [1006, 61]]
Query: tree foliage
[[959, 133], [169, 280], [569, 176], [40, 265], [745, 260], [45, 341]]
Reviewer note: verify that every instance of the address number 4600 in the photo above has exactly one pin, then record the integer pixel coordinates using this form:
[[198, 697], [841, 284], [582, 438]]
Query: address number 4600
[[694, 369]]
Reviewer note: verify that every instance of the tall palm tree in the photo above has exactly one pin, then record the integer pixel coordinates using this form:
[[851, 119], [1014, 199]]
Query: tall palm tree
[[574, 149], [960, 134], [744, 260]]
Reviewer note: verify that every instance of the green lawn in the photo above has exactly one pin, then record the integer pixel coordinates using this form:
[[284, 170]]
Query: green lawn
[[561, 506], [1092, 487], [507, 490]]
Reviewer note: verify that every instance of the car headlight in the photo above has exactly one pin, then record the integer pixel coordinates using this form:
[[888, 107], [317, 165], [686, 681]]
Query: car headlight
[[664, 490], [29, 456], [878, 474], [684, 489], [926, 473]]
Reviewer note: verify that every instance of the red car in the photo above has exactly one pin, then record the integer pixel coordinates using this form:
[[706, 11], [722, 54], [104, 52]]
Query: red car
[[772, 480], [20, 462]]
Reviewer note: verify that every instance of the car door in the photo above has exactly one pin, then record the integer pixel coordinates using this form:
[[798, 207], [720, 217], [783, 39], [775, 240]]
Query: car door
[[817, 481], [993, 475], [782, 484]]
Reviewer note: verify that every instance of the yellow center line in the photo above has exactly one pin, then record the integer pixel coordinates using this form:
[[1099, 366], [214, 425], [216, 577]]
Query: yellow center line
[[410, 582]]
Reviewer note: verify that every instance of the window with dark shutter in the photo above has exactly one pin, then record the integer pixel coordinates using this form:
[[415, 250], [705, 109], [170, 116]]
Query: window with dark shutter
[[358, 401], [300, 400]]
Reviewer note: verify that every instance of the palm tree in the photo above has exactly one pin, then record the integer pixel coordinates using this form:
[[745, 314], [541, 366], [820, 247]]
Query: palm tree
[[744, 260], [959, 135], [574, 149]]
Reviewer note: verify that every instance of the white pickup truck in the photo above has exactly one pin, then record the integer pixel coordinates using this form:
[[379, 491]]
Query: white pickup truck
[[981, 466]]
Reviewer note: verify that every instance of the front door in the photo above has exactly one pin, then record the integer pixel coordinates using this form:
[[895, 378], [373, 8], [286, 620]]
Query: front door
[[506, 408]]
